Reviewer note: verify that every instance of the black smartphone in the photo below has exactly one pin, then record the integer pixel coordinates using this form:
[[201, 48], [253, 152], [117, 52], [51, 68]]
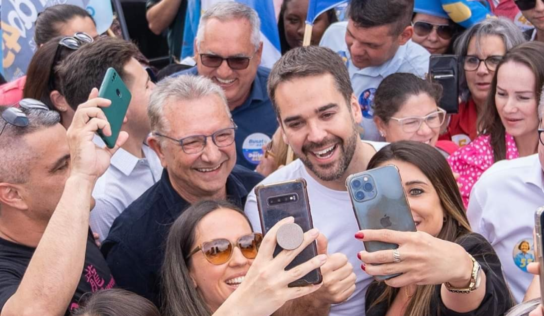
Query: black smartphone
[[280, 200], [379, 202], [539, 234], [114, 89], [444, 69]]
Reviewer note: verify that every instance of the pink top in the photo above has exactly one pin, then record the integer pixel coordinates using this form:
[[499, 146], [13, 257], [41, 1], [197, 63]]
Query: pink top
[[473, 159]]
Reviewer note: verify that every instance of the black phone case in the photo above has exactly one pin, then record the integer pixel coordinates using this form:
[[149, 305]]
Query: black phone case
[[300, 210], [444, 69]]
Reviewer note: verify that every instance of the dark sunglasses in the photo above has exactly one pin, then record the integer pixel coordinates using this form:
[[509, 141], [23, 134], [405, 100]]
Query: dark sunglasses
[[71, 42], [14, 116], [525, 4], [219, 251], [235, 63], [445, 31]]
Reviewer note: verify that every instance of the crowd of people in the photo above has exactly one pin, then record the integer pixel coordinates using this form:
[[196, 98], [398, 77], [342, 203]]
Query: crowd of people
[[167, 222]]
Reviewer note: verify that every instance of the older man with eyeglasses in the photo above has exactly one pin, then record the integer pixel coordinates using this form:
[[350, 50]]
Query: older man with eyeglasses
[[228, 50], [193, 134]]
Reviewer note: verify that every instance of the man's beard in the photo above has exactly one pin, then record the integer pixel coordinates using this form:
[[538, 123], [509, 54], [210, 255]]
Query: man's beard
[[347, 150]]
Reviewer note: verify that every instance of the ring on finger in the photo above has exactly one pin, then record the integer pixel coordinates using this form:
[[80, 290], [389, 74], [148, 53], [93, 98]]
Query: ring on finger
[[396, 256]]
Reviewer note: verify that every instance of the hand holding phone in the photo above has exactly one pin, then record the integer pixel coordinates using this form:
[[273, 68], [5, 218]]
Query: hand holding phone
[[114, 89], [278, 201], [444, 69]]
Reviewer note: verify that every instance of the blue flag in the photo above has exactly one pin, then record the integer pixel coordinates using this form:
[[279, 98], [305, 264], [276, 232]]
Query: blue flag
[[269, 28], [316, 7], [102, 13], [17, 25]]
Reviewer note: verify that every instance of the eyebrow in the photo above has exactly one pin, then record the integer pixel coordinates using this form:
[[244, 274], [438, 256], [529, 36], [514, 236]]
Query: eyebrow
[[317, 111], [528, 91], [59, 162], [416, 182]]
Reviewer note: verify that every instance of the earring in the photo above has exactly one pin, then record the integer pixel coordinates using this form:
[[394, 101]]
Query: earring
[[382, 133], [445, 219]]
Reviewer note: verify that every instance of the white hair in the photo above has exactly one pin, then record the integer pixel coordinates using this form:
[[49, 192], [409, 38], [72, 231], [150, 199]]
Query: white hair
[[227, 11], [185, 87]]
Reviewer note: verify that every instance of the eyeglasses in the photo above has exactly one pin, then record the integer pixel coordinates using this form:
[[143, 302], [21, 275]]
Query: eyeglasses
[[71, 42], [215, 61], [219, 251], [525, 4], [540, 131], [14, 116], [412, 124], [445, 31], [471, 63], [195, 144]]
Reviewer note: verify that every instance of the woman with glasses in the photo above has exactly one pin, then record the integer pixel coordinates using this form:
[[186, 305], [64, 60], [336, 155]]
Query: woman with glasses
[[215, 264], [508, 125], [480, 49], [433, 29], [405, 108], [445, 269], [43, 83]]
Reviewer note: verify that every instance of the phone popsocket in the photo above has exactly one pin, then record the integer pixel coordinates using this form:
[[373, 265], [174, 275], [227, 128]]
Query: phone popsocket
[[290, 236]]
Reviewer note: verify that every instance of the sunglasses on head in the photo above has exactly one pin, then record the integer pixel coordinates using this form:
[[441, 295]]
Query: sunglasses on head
[[71, 42], [215, 61], [14, 116], [444, 31], [219, 251], [525, 4]]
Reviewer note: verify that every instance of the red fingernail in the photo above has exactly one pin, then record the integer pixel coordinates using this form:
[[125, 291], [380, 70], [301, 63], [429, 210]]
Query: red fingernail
[[359, 235], [363, 267], [359, 256]]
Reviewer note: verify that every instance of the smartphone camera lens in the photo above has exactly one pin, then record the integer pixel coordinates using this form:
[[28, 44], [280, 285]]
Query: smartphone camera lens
[[360, 195], [368, 187], [356, 184]]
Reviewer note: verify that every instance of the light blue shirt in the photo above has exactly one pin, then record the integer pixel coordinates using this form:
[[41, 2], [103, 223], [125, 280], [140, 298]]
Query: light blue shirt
[[502, 209], [126, 179], [410, 58]]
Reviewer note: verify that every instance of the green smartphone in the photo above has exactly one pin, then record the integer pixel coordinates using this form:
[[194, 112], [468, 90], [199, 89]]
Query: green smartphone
[[114, 89]]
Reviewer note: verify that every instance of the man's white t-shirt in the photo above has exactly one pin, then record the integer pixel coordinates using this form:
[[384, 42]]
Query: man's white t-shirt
[[410, 58], [333, 215]]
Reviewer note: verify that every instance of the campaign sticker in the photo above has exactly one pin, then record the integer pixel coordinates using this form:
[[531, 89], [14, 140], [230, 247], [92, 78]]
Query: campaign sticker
[[461, 139], [366, 100], [253, 147], [523, 254], [344, 56]]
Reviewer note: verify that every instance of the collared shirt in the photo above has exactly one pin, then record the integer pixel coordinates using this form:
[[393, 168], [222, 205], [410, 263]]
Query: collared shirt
[[134, 248], [502, 207], [126, 179], [255, 118], [410, 58]]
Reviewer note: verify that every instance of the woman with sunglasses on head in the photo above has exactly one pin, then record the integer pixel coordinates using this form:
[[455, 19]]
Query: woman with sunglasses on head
[[508, 124], [444, 268], [406, 108], [57, 20], [215, 264], [43, 83], [433, 29], [480, 49]]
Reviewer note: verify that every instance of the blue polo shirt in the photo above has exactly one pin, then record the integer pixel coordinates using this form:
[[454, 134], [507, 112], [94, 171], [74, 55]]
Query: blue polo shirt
[[134, 249], [255, 118]]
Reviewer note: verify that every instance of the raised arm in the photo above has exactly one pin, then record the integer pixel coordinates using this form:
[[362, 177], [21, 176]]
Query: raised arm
[[160, 16], [55, 269]]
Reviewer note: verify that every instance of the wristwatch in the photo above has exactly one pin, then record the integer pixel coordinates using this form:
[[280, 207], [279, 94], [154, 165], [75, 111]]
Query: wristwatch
[[475, 279]]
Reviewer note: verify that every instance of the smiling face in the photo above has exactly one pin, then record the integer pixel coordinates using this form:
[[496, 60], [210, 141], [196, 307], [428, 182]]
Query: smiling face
[[479, 80], [416, 106], [432, 42], [218, 40], [516, 100], [536, 15], [204, 174], [294, 19], [424, 202], [319, 125], [215, 283]]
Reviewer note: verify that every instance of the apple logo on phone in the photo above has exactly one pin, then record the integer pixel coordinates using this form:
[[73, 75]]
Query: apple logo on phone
[[385, 221]]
